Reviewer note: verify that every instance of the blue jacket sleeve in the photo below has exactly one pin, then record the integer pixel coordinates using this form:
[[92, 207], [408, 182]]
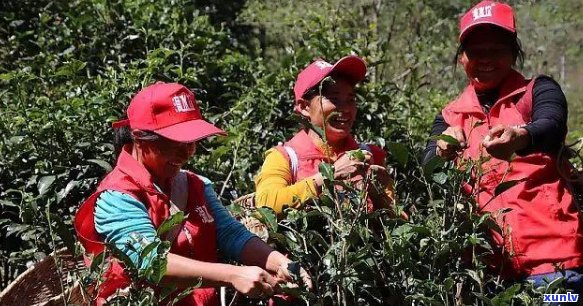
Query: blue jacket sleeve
[[231, 234], [122, 219]]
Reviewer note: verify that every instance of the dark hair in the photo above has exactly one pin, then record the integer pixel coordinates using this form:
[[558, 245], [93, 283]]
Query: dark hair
[[326, 85], [509, 37], [122, 136]]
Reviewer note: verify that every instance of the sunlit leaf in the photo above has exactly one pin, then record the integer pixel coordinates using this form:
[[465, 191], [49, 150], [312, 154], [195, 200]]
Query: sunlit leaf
[[440, 178], [327, 171], [45, 183], [268, 217], [171, 222], [103, 164], [505, 298], [447, 138]]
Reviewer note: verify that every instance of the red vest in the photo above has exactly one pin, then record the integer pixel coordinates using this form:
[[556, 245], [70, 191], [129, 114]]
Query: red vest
[[132, 178], [542, 229], [309, 155]]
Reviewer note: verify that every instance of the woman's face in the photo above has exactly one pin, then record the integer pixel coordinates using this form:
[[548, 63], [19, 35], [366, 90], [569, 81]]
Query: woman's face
[[487, 58], [164, 157], [340, 98]]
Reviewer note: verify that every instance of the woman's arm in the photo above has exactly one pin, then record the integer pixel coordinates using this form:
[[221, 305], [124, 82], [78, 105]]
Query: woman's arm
[[439, 126], [118, 215], [274, 186], [231, 234], [184, 272], [120, 219], [548, 125], [545, 133]]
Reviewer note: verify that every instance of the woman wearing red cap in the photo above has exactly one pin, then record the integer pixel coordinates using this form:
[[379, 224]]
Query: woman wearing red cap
[[289, 176], [501, 114], [147, 186]]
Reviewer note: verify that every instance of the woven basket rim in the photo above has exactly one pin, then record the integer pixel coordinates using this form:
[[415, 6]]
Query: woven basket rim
[[28, 274]]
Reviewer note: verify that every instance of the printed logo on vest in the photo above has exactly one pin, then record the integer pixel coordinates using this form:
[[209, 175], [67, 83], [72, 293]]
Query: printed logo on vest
[[323, 65], [484, 11], [204, 214], [183, 103]]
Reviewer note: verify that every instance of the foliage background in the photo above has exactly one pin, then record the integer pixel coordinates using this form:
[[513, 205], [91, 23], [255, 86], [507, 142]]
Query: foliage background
[[69, 68]]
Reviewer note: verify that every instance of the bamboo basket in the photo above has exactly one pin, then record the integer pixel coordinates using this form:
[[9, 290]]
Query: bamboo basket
[[45, 285], [255, 226]]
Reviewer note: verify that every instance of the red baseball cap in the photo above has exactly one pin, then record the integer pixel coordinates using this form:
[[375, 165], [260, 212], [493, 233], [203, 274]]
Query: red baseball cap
[[170, 110], [350, 66], [487, 12]]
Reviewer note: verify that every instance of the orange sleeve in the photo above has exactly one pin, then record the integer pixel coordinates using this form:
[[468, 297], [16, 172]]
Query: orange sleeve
[[274, 188], [390, 192]]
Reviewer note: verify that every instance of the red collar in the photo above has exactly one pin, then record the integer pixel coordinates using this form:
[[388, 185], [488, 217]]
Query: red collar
[[468, 102], [303, 138], [127, 164]]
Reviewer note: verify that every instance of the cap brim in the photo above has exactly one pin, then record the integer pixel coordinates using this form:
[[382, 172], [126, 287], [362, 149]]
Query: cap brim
[[350, 66], [190, 131], [473, 26]]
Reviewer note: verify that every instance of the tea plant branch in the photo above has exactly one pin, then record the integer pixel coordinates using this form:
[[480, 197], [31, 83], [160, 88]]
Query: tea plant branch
[[56, 258], [235, 158], [327, 152], [420, 167]]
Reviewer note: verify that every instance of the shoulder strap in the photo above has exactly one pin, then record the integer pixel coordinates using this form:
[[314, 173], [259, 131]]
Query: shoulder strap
[[293, 161], [178, 202], [179, 196], [524, 105]]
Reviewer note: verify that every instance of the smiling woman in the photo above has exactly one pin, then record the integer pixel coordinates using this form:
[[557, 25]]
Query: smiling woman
[[512, 130], [324, 96], [147, 186]]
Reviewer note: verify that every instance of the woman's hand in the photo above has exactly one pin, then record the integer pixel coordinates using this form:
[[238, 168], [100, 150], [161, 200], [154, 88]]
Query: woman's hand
[[349, 166], [287, 268], [447, 150], [252, 281], [502, 141]]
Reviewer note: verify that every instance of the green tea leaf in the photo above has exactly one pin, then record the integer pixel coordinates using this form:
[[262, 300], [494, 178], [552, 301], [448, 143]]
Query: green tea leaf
[[433, 164], [171, 222], [268, 217], [119, 254], [478, 123], [159, 265], [71, 68], [148, 249], [45, 183], [186, 292], [64, 232], [440, 178], [327, 171], [103, 164], [357, 155], [505, 298], [97, 261], [399, 152], [449, 139], [506, 185]]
